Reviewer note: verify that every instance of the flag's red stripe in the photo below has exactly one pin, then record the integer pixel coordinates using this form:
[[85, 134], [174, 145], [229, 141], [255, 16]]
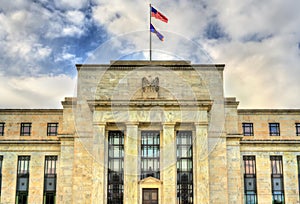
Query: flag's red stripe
[[159, 16]]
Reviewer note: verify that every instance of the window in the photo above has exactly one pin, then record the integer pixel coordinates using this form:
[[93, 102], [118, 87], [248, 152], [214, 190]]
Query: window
[[1, 159], [274, 129], [22, 180], [248, 129], [50, 179], [298, 163], [25, 129], [184, 143], [115, 184], [2, 129], [52, 129], [298, 129], [250, 180], [150, 154], [277, 179]]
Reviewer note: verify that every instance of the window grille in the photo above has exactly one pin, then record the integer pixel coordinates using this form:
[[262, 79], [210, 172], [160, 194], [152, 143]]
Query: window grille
[[274, 129], [297, 129], [52, 129], [50, 179], [22, 180], [248, 129], [150, 154], [1, 160], [2, 125], [298, 163], [250, 180], [25, 129], [277, 179], [115, 184], [184, 165]]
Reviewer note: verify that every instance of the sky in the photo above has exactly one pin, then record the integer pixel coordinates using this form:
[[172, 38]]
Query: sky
[[42, 40]]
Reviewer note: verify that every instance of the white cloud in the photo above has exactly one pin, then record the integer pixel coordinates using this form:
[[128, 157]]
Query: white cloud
[[67, 4], [35, 92], [75, 17], [259, 46]]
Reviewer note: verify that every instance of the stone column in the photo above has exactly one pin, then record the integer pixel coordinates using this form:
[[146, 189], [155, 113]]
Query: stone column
[[131, 146], [9, 176], [98, 189], [168, 164], [200, 164], [235, 191], [65, 179]]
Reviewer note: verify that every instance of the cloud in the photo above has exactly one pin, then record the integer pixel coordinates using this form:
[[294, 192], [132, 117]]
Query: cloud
[[66, 4], [257, 40], [35, 92]]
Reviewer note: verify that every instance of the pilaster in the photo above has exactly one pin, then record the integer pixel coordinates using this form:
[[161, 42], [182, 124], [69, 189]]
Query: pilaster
[[131, 194], [65, 180], [200, 163], [168, 166], [98, 179], [234, 168]]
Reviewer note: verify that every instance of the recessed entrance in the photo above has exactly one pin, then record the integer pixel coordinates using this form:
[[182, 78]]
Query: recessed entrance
[[150, 196]]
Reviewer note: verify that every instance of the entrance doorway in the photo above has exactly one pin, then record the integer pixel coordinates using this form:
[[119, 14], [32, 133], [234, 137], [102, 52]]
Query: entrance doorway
[[150, 196]]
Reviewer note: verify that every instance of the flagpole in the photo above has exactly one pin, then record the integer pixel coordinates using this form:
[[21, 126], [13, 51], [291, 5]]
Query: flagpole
[[150, 36]]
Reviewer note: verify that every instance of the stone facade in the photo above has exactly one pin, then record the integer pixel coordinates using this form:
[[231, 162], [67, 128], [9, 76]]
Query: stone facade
[[162, 96]]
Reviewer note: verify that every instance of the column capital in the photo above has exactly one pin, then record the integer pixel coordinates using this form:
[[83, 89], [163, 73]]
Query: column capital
[[132, 123], [169, 124], [99, 124], [203, 124]]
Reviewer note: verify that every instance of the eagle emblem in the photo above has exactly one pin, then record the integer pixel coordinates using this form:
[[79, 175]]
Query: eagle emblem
[[150, 86]]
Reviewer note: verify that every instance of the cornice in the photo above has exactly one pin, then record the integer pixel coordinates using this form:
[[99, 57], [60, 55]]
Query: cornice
[[153, 65], [150, 103], [29, 142], [270, 142]]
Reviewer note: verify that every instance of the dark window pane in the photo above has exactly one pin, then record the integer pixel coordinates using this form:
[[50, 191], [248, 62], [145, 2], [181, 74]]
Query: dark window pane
[[1, 159], [277, 179], [50, 179], [115, 185], [52, 129], [184, 167], [250, 180], [150, 154], [298, 129], [274, 129], [248, 129], [298, 163], [2, 129], [25, 129], [22, 179]]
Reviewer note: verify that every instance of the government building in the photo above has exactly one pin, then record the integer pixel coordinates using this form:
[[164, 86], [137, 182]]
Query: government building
[[149, 132]]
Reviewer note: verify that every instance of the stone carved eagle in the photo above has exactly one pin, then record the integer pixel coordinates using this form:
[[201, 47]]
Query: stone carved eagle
[[150, 86]]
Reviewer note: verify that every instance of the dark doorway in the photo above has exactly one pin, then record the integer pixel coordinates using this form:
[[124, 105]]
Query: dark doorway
[[150, 196]]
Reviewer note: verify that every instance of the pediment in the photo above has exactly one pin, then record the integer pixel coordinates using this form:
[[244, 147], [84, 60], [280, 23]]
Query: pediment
[[150, 180]]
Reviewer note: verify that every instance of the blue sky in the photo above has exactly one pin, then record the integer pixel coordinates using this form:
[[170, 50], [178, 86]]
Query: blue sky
[[41, 41]]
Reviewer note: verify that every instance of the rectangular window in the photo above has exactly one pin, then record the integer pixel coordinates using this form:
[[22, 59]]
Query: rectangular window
[[25, 129], [274, 129], [150, 154], [2, 129], [250, 180], [50, 179], [184, 143], [277, 179], [297, 129], [298, 163], [1, 159], [248, 129], [22, 180], [115, 183], [52, 129]]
